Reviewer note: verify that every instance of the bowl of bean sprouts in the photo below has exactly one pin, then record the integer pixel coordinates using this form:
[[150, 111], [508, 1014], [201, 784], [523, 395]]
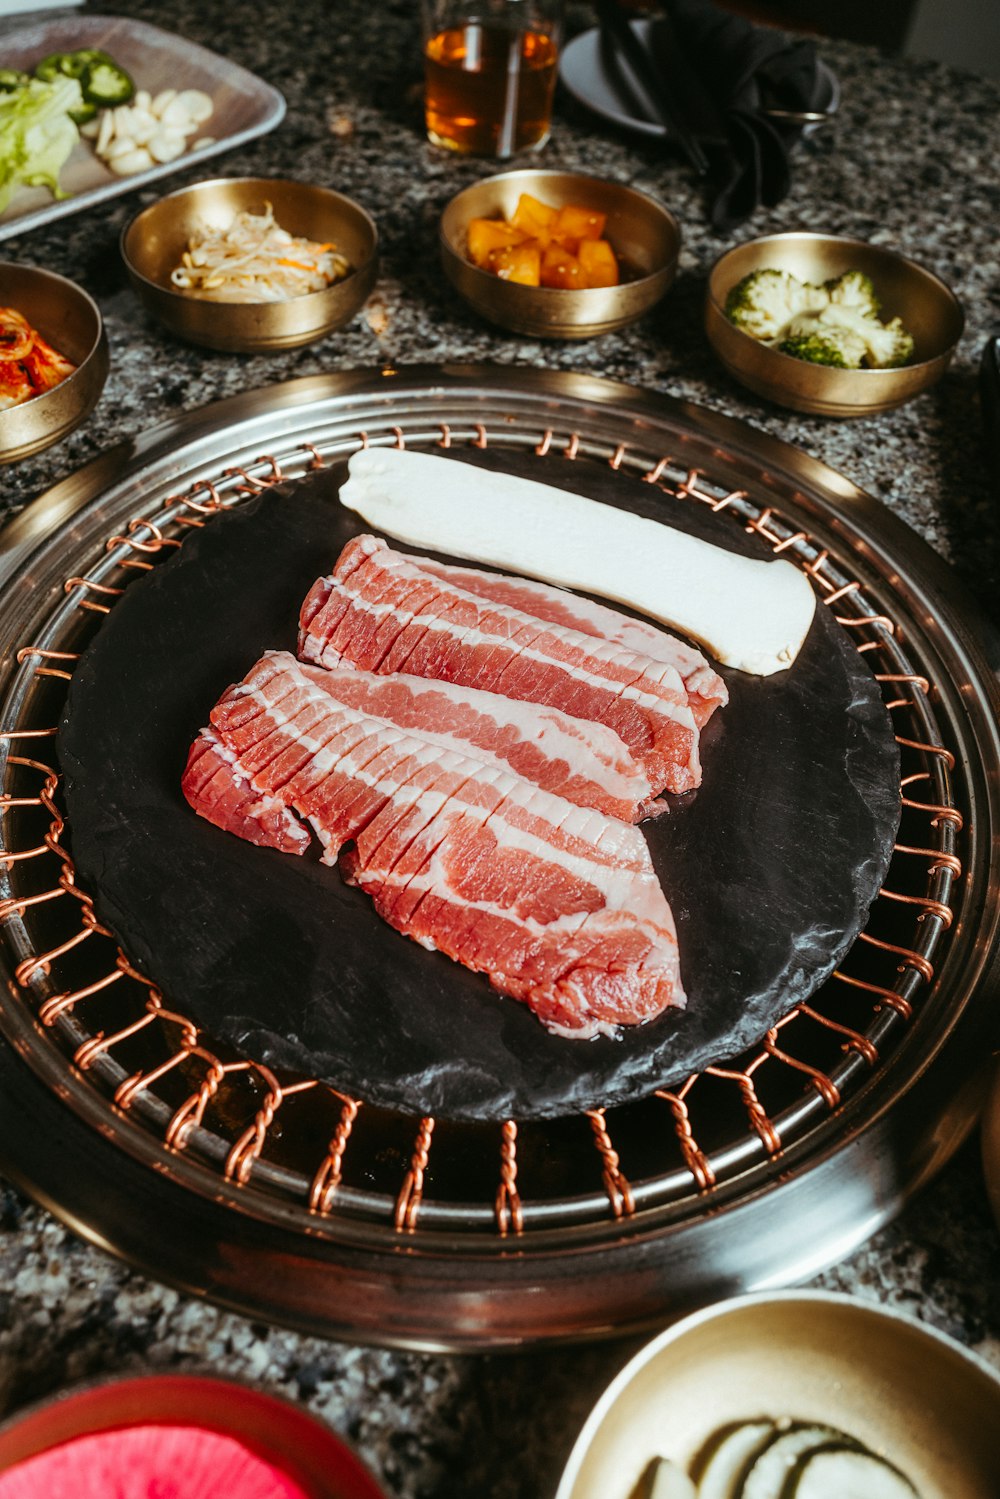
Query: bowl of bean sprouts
[[248, 264]]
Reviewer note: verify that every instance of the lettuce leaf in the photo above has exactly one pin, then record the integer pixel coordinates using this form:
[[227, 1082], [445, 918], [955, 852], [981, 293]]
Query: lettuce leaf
[[36, 135]]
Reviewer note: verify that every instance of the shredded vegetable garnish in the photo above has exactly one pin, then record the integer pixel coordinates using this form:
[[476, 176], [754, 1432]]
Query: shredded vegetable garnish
[[255, 260], [28, 365], [36, 134]]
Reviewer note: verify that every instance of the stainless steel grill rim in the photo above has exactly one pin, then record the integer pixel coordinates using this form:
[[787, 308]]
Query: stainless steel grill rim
[[314, 420]]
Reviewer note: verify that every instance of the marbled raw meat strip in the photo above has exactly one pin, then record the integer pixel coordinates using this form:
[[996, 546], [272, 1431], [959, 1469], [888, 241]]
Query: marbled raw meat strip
[[215, 784], [586, 763], [558, 905], [705, 688], [382, 611]]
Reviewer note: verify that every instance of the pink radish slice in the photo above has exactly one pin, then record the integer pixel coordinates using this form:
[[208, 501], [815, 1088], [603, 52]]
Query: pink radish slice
[[149, 1462]]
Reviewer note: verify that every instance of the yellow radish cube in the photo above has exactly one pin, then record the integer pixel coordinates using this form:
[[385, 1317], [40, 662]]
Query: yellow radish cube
[[561, 269], [575, 223], [520, 263], [535, 218], [487, 235], [599, 264]]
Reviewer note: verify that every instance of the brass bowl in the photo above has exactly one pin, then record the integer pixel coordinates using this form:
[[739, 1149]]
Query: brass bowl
[[153, 242], [907, 1392], [645, 236], [930, 312], [71, 322]]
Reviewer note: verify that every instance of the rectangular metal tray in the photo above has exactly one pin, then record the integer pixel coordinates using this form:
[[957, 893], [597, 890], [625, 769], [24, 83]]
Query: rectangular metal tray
[[245, 106]]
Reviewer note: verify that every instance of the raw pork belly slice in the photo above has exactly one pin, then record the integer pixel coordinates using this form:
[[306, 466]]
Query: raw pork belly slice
[[586, 763], [559, 905], [385, 612], [217, 786], [705, 688]]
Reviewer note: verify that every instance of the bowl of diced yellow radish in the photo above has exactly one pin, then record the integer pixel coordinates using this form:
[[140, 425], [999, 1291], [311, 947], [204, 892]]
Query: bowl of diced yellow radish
[[557, 254]]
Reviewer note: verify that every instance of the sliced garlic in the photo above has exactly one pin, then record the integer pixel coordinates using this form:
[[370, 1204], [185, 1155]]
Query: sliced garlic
[[136, 160], [166, 145], [131, 138], [197, 103], [176, 114], [120, 146], [142, 126], [106, 131]]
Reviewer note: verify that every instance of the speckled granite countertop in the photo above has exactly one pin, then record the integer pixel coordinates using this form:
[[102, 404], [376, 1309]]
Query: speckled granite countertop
[[911, 162]]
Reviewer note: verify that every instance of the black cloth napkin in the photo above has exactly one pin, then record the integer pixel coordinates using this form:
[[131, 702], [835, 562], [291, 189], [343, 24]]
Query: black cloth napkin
[[725, 71], [745, 67]]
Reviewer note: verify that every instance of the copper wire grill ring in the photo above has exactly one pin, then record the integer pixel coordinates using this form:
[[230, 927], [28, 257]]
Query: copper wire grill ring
[[765, 1130], [243, 1158], [771, 1144]]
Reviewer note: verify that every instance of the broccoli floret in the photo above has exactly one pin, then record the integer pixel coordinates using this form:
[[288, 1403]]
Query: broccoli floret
[[882, 345], [835, 324], [819, 339], [763, 303], [827, 327], [891, 347], [854, 289], [815, 348]]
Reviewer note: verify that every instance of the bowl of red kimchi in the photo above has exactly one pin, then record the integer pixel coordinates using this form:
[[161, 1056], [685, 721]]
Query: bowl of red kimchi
[[53, 359]]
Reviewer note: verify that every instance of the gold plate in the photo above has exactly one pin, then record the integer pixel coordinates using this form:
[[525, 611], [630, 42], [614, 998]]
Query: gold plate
[[907, 1392]]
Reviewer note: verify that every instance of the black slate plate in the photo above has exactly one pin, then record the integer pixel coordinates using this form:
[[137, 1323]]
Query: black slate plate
[[770, 866]]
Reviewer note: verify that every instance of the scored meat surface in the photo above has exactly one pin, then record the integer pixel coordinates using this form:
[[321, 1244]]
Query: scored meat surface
[[586, 763], [558, 904], [386, 612], [217, 786], [705, 688]]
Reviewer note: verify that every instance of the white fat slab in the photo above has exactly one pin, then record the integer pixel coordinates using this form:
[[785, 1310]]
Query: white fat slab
[[750, 614]]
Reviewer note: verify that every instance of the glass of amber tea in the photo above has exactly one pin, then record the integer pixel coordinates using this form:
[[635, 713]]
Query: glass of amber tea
[[490, 69]]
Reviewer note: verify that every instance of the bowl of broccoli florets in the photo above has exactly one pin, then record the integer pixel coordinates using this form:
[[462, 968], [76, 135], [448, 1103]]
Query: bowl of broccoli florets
[[830, 325]]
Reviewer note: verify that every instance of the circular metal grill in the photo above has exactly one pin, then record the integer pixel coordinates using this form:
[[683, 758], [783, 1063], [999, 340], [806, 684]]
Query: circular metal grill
[[645, 1197]]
